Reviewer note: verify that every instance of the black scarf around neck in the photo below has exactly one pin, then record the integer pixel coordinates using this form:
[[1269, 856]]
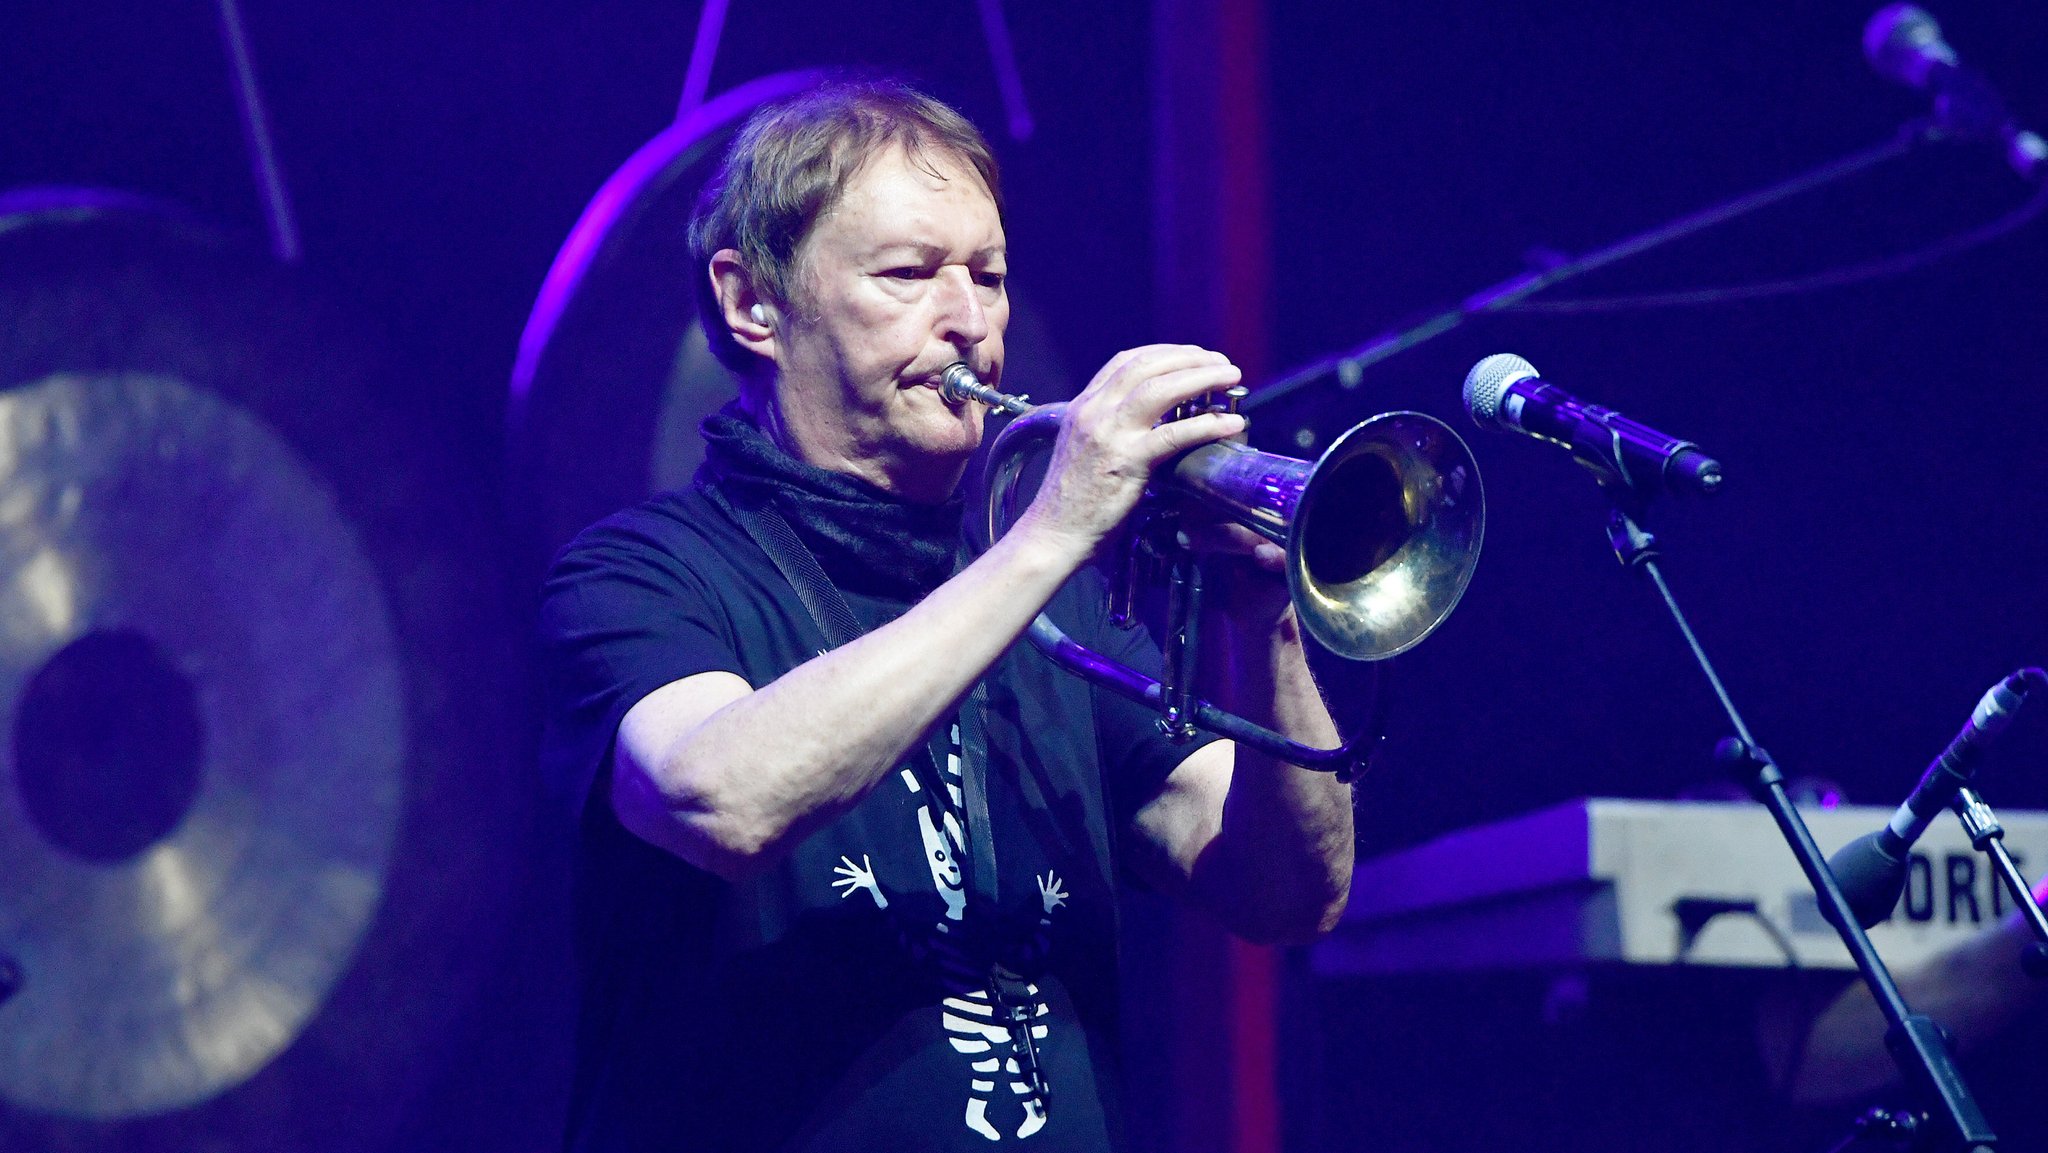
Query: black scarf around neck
[[868, 541]]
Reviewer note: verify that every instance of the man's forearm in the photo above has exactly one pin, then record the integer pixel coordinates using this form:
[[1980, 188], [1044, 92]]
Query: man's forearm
[[1282, 859], [733, 788]]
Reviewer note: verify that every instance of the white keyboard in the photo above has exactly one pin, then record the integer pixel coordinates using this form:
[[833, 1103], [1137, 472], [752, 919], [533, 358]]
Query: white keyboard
[[1654, 883]]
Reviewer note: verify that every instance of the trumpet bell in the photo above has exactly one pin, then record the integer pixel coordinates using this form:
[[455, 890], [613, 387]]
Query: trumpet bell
[[1381, 535], [1385, 535]]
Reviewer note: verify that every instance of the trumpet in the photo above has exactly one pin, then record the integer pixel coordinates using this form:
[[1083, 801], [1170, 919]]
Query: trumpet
[[1381, 534]]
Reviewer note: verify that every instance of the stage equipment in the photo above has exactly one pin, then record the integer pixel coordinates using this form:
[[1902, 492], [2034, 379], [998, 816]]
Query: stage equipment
[[1904, 45], [1872, 868], [255, 829], [613, 374], [1503, 391], [1382, 534], [270, 182], [181, 589], [1915, 1041], [1648, 883], [1514, 294], [1987, 836], [995, 29]]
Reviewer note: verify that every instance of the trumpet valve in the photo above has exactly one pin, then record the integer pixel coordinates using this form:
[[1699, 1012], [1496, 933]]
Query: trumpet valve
[[1226, 401]]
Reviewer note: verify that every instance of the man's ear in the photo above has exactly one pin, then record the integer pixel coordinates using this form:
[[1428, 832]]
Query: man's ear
[[749, 314]]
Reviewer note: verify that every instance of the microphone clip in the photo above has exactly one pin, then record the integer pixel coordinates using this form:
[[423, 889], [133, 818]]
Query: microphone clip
[[1632, 543]]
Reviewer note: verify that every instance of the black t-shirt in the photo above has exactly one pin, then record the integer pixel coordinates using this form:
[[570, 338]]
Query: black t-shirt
[[849, 998]]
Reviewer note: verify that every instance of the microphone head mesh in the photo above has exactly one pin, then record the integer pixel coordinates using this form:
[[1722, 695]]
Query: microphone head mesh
[[1903, 44], [1488, 380]]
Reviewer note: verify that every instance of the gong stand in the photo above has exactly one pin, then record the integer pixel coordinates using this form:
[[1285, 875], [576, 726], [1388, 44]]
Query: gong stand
[[1948, 1119], [995, 29]]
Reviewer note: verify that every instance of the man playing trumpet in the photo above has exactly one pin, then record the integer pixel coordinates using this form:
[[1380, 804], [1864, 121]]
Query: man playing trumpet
[[848, 850]]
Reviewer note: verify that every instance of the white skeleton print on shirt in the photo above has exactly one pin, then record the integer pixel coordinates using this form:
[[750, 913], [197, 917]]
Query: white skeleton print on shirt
[[990, 1014]]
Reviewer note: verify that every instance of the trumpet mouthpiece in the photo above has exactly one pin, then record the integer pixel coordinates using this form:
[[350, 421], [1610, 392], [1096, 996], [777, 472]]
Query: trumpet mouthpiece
[[958, 384]]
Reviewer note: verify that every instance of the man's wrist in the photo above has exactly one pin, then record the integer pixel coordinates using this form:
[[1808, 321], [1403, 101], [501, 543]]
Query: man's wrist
[[1042, 547]]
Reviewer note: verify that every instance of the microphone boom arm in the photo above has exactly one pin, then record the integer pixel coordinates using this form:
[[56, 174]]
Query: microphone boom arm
[[1347, 366]]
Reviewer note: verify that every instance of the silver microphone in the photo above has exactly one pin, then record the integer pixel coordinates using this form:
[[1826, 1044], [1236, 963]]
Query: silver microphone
[[1503, 391]]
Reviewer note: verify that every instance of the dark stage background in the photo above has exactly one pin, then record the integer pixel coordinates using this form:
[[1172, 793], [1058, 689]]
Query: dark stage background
[[1875, 562]]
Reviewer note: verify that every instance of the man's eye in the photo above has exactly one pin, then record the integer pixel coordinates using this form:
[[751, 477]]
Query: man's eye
[[989, 279], [906, 274]]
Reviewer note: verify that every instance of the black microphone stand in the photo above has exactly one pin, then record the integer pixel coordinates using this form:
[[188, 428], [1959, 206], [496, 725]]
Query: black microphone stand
[[1988, 836], [1917, 1044]]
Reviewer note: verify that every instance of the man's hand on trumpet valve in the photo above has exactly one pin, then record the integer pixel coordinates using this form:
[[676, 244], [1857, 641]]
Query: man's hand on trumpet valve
[[1112, 437]]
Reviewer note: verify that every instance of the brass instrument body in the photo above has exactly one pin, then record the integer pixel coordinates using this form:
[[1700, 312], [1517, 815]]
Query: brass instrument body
[[1381, 533]]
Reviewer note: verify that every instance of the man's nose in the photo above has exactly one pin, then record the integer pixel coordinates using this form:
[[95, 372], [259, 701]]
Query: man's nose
[[963, 316]]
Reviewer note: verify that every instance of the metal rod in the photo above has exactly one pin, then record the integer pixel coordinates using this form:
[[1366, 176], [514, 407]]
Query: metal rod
[[1002, 56], [1915, 1041], [1988, 837], [1347, 366], [277, 201], [703, 52], [1699, 653]]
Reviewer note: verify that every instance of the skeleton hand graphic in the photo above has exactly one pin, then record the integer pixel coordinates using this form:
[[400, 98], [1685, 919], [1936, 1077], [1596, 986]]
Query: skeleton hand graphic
[[862, 876], [1050, 894]]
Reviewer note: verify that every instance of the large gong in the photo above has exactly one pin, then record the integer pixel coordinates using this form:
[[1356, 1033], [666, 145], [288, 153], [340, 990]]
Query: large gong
[[255, 818], [198, 670], [613, 374]]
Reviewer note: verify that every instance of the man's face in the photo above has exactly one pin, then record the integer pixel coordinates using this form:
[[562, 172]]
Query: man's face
[[901, 279]]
